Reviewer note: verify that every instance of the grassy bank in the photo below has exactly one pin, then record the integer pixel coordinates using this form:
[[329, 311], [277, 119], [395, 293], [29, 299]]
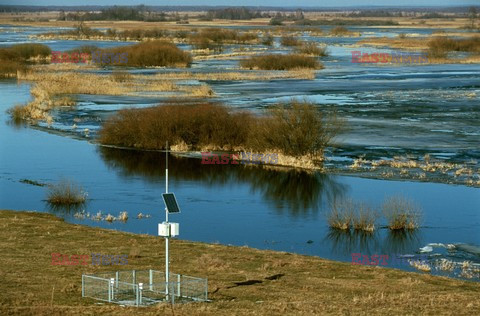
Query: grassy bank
[[284, 283]]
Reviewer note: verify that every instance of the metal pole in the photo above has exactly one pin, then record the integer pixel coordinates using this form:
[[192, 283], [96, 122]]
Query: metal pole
[[151, 280], [166, 220]]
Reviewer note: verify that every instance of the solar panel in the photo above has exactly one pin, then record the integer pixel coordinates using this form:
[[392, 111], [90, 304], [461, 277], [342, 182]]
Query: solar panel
[[171, 202]]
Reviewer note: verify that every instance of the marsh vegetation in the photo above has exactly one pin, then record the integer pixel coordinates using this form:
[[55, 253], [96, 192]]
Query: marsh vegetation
[[281, 62], [296, 129], [66, 192]]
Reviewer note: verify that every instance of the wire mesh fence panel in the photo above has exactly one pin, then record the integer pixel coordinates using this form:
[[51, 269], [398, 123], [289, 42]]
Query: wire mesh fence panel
[[95, 287], [143, 287], [125, 293], [193, 288]]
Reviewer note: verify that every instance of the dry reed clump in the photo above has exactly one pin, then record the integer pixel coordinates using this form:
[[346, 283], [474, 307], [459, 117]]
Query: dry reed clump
[[65, 192], [281, 62], [215, 38], [439, 47], [420, 265], [250, 75], [401, 213], [51, 87], [121, 76], [290, 41], [339, 31], [341, 214], [202, 91], [364, 217], [13, 59], [156, 53], [346, 213], [445, 265], [312, 49]]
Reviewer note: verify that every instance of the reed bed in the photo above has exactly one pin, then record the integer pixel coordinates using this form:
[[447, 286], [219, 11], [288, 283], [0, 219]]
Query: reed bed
[[66, 192], [401, 213], [312, 49], [281, 62]]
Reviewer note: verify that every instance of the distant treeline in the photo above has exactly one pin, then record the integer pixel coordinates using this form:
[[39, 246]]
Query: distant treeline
[[123, 13], [232, 14], [179, 8], [345, 22]]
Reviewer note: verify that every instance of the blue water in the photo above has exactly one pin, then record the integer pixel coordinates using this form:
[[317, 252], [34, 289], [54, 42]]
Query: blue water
[[254, 206]]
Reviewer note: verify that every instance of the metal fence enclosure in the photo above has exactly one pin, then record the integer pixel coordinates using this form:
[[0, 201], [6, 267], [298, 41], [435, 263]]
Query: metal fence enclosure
[[143, 287]]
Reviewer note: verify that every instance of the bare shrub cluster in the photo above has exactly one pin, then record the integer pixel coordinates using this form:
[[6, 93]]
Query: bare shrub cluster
[[297, 129], [312, 49], [65, 192], [439, 47], [153, 53], [281, 62], [400, 213], [15, 57], [215, 38]]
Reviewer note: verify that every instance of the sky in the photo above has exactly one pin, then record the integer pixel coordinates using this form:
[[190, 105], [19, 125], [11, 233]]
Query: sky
[[277, 3]]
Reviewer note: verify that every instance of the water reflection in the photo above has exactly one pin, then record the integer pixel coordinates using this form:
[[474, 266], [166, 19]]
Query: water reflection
[[299, 192], [401, 241], [395, 242], [347, 242], [66, 209]]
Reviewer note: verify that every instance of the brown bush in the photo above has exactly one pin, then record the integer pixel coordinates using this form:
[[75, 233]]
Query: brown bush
[[214, 38], [196, 125], [298, 129], [290, 41], [339, 31], [312, 49], [152, 53], [280, 62], [438, 47]]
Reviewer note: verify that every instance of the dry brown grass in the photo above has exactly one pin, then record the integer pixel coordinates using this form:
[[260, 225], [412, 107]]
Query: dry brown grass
[[303, 286], [401, 213], [281, 62], [245, 75], [312, 49], [51, 88], [65, 192]]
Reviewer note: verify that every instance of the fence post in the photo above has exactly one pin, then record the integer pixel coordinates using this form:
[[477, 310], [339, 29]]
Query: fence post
[[83, 285], [134, 278], [206, 289], [136, 294], [116, 280], [151, 280], [178, 285]]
